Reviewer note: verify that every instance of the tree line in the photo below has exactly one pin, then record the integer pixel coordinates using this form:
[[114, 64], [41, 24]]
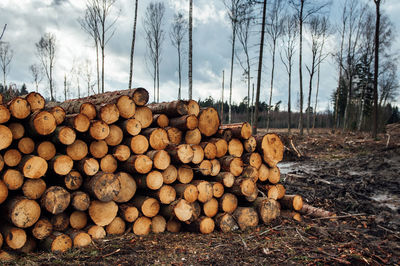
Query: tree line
[[366, 65]]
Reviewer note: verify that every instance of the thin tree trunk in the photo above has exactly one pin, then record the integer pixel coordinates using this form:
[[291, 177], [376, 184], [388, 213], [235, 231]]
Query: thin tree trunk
[[301, 68], [179, 69], [190, 47], [133, 45], [289, 99], [252, 107], [360, 120], [309, 99], [158, 79], [272, 84], [376, 69], [230, 82], [335, 124], [248, 87], [222, 97], [98, 67], [316, 94], [260, 57], [65, 87]]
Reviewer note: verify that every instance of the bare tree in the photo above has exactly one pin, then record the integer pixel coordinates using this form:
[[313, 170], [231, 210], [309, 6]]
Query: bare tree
[[2, 32], [90, 23], [190, 70], [304, 9], [388, 82], [318, 31], [243, 35], [133, 45], [46, 51], [178, 32], [274, 30], [87, 71], [234, 10], [6, 55], [153, 22], [37, 75], [376, 67], [259, 71], [289, 40]]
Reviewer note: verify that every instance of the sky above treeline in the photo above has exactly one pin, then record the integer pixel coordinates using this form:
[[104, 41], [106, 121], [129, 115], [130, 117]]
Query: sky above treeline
[[28, 20]]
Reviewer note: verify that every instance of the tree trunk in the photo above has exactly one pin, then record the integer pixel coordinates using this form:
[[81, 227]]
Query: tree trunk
[[376, 69], [103, 213], [231, 79], [272, 83], [103, 186], [190, 47], [301, 66], [246, 217], [144, 115], [268, 209], [291, 202], [133, 46], [209, 121]]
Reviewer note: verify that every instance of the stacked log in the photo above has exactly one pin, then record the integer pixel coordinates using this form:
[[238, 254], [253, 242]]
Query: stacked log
[[94, 166]]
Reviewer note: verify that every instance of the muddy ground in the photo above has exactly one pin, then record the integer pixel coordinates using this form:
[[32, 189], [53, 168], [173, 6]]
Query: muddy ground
[[349, 174]]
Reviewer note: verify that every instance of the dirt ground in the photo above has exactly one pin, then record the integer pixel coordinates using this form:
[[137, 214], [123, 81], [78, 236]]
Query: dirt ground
[[349, 174]]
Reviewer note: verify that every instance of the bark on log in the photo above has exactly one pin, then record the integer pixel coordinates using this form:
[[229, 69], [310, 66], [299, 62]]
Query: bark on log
[[188, 192], [226, 223], [147, 205], [141, 164], [268, 209], [232, 164], [221, 145], [173, 226], [186, 122], [160, 120], [246, 217], [292, 202], [79, 122], [57, 242], [315, 212], [171, 109], [104, 186], [239, 130], [204, 225], [288, 214], [179, 209]]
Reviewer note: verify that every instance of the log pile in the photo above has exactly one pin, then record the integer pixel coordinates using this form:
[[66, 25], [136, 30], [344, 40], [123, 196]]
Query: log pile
[[101, 165]]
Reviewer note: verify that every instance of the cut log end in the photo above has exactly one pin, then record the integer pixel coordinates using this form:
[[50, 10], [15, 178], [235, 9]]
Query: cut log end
[[209, 121]]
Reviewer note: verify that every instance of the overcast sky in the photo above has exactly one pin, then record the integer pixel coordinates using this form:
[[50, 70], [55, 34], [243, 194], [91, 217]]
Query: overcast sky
[[28, 20]]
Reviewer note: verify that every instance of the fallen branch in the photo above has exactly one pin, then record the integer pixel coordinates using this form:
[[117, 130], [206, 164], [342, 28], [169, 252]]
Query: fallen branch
[[315, 212], [340, 217]]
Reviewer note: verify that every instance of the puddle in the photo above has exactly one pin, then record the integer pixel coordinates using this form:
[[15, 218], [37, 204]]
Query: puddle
[[391, 201]]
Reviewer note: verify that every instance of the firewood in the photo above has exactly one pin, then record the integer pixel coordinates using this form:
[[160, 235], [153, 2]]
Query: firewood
[[131, 126], [250, 144], [4, 114], [171, 109], [73, 180], [232, 164], [218, 189], [115, 136], [55, 199], [186, 122], [225, 178], [98, 148], [79, 238], [153, 180], [142, 226], [77, 150], [208, 121], [160, 120], [6, 137], [228, 203], [144, 115], [274, 175], [271, 147], [102, 213], [42, 229], [64, 135], [138, 144], [13, 179], [193, 136], [116, 227], [141, 164], [128, 187], [185, 174], [3, 192], [239, 130], [140, 96], [173, 226], [87, 109], [78, 219], [33, 166], [108, 164], [1, 162], [17, 130], [42, 123], [19, 108], [96, 232], [35, 101], [205, 190], [263, 173], [104, 186], [161, 159], [210, 150], [22, 212], [60, 221], [243, 187], [166, 194], [121, 152], [88, 166], [225, 134], [253, 196], [268, 209], [210, 208], [61, 164], [79, 122], [58, 113], [14, 237], [250, 172], [221, 145], [188, 192], [204, 225], [235, 148], [80, 200], [158, 138], [128, 212], [281, 190], [26, 145], [158, 224], [215, 167], [315, 212], [174, 135], [99, 129], [273, 191], [198, 154], [182, 153], [179, 209], [33, 188], [204, 168], [147, 205], [126, 106], [170, 174], [193, 107], [29, 246], [291, 202], [291, 215], [107, 112], [57, 242], [246, 217], [12, 157], [226, 223], [6, 256], [254, 159]]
